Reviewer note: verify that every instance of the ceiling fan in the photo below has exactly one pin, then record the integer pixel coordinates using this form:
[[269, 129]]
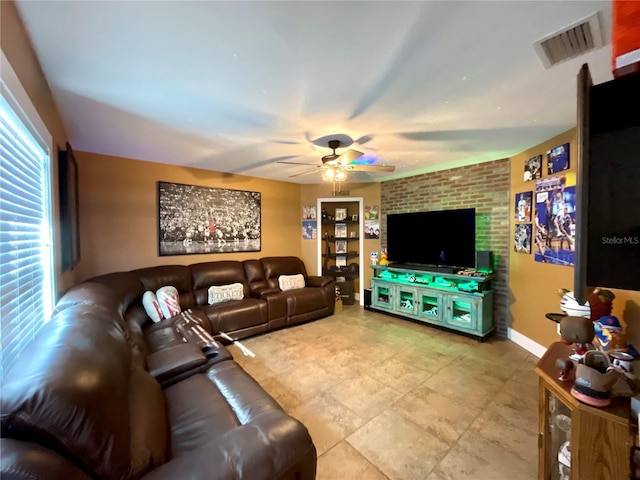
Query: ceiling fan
[[335, 166]]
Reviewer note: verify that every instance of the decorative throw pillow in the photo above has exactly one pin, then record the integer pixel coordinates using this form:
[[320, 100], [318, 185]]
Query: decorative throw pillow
[[224, 293], [289, 282], [152, 306], [169, 301]]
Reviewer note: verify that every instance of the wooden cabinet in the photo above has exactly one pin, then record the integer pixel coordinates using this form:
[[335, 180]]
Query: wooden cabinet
[[599, 439], [435, 298]]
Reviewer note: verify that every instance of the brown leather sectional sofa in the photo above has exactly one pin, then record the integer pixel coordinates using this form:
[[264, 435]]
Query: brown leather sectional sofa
[[104, 393]]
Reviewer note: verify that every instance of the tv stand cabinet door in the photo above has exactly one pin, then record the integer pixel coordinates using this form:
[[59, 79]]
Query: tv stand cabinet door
[[430, 305], [407, 301], [383, 295], [462, 312]]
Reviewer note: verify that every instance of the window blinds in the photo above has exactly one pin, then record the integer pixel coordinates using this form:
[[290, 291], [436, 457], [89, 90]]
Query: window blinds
[[25, 247]]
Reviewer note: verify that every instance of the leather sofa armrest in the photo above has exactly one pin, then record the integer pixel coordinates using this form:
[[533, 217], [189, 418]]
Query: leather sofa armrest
[[19, 459], [313, 281], [273, 445], [262, 292], [172, 361]]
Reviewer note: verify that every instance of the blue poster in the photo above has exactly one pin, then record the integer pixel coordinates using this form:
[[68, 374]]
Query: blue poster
[[558, 159], [555, 220]]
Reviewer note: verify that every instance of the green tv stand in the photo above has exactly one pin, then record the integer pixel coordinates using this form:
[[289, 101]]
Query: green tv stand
[[455, 302]]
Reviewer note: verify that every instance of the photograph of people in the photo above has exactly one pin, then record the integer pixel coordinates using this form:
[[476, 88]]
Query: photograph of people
[[555, 221]]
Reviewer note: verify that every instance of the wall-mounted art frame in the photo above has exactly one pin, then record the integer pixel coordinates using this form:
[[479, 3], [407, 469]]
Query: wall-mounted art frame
[[194, 220], [533, 168], [523, 206], [558, 159], [69, 209], [522, 238], [555, 219]]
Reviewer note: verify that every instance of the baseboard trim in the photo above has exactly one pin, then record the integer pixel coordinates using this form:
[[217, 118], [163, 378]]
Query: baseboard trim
[[526, 343]]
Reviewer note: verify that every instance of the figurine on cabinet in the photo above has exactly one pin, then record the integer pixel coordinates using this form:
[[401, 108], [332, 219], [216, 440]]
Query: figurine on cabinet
[[565, 366]]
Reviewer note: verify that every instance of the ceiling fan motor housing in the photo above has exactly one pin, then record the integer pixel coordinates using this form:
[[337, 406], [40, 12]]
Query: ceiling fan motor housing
[[333, 144]]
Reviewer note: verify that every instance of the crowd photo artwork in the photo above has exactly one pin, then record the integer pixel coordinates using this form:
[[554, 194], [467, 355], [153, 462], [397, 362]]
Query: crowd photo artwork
[[194, 220]]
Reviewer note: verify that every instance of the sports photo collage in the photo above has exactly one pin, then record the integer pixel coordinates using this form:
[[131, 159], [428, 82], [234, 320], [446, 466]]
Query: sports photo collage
[[552, 228]]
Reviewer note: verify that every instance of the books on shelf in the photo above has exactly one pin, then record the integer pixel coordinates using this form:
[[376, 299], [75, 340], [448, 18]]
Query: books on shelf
[[341, 230]]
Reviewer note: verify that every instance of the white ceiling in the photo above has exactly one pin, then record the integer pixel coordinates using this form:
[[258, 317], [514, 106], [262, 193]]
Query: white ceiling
[[236, 86]]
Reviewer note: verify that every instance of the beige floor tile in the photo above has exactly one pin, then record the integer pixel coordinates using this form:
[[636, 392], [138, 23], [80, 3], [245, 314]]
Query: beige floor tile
[[308, 382], [343, 462], [398, 375], [512, 424], [329, 422], [475, 458], [442, 416], [285, 397], [398, 447], [480, 367], [465, 388], [365, 395], [425, 359]]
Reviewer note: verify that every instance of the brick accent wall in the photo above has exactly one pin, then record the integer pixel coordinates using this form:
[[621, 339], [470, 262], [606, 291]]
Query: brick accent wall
[[485, 187]]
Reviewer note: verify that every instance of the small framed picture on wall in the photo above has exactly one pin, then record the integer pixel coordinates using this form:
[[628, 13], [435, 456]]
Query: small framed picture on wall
[[533, 168], [341, 214], [522, 238], [558, 159], [522, 204]]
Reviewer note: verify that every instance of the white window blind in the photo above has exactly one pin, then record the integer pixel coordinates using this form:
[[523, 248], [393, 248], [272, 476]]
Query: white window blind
[[25, 233]]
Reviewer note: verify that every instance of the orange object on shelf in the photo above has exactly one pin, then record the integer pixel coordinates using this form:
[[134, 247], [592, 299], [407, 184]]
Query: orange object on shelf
[[625, 37]]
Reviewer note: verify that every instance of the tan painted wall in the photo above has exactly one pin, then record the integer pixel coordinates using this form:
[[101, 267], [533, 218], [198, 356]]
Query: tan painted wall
[[370, 192], [118, 213], [17, 48], [533, 285]]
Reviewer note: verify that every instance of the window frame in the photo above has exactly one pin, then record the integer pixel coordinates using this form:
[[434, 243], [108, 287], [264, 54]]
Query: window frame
[[14, 94]]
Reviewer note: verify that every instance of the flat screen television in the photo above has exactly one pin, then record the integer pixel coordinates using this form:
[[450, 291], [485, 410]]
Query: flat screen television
[[442, 238]]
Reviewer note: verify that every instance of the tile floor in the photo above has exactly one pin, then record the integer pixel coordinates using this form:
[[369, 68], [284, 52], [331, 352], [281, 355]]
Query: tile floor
[[385, 398]]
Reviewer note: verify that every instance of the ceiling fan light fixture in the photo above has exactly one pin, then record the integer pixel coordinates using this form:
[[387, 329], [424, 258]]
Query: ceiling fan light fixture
[[334, 174], [329, 174]]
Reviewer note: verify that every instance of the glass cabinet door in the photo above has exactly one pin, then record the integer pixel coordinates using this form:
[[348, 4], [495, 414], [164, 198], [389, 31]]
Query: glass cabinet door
[[461, 312], [383, 295], [558, 434], [407, 300], [430, 306]]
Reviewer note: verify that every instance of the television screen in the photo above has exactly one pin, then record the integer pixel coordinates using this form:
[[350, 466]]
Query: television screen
[[443, 238]]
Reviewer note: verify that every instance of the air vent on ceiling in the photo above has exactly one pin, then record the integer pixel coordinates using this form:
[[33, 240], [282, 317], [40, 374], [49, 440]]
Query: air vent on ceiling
[[570, 42]]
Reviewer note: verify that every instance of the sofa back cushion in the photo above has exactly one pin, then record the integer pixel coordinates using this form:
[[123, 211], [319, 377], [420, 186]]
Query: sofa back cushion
[[178, 276], [255, 275], [275, 266], [224, 272], [125, 285], [69, 392]]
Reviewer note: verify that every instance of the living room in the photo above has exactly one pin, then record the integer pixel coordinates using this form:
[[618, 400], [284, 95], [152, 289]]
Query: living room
[[118, 228]]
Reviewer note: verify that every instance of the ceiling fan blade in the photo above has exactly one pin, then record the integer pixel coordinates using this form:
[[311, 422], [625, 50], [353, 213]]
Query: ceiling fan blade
[[370, 168], [295, 163], [304, 173], [349, 156], [364, 139]]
